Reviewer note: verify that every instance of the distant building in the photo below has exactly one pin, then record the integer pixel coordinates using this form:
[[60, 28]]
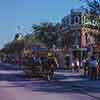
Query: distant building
[[82, 27]]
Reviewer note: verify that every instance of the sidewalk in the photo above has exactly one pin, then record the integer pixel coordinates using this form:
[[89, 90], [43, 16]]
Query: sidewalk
[[89, 84], [80, 83], [91, 88], [77, 78]]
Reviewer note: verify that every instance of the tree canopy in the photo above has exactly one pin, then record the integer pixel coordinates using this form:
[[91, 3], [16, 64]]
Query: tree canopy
[[92, 6], [47, 33]]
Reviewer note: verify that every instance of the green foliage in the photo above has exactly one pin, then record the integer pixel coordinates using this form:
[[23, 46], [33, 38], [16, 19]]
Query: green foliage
[[47, 33], [92, 6], [14, 46]]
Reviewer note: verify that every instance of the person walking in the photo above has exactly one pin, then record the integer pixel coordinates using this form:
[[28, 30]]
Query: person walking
[[76, 65], [93, 64], [85, 66], [98, 69], [52, 64]]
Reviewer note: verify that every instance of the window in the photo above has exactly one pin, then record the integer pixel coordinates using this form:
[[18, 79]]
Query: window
[[77, 19]]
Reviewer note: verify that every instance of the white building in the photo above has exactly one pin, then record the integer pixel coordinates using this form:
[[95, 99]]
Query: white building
[[82, 27]]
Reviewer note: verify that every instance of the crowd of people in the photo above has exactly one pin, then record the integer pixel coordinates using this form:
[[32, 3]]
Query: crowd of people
[[90, 66]]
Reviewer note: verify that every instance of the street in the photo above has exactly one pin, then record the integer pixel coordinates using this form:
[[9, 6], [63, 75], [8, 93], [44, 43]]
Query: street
[[14, 85]]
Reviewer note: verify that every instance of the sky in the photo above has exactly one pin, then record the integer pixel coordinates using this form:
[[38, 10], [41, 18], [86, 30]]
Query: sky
[[25, 13]]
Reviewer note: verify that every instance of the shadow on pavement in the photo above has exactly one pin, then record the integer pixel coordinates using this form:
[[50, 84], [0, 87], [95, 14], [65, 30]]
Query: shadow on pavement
[[9, 67], [60, 84], [13, 77], [53, 86]]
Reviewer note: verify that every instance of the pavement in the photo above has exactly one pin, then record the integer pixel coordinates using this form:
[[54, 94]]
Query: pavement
[[80, 83], [66, 85]]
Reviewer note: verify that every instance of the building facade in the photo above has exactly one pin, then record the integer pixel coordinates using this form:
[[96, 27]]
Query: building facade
[[82, 28]]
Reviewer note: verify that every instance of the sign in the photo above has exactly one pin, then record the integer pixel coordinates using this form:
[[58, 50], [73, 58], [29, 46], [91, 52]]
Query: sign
[[88, 20]]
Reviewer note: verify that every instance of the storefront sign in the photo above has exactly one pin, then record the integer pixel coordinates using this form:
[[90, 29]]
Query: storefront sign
[[93, 21]]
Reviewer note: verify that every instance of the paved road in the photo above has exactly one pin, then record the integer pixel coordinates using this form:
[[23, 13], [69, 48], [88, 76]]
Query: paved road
[[66, 86]]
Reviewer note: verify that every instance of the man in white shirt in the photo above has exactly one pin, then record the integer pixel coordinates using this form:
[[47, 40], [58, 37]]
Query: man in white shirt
[[93, 64]]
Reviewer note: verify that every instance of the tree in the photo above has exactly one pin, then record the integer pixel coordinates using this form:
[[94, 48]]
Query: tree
[[92, 6], [30, 39], [47, 33], [16, 36], [14, 47]]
